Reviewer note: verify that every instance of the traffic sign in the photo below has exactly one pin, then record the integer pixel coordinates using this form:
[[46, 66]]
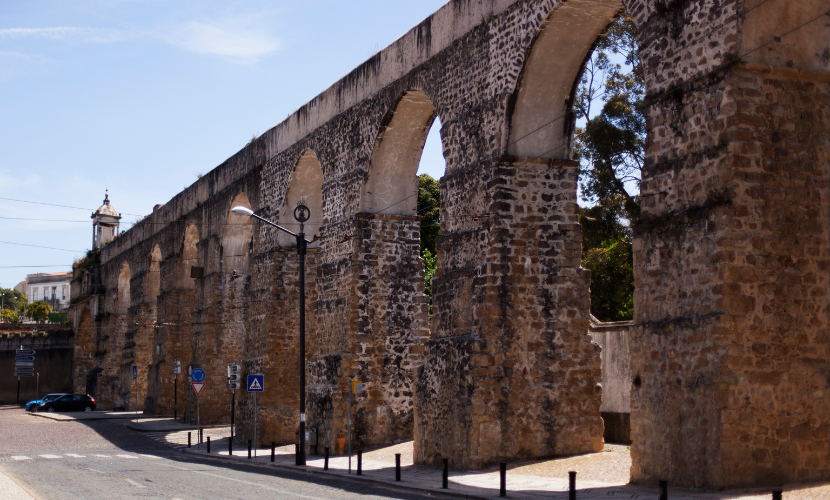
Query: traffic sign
[[177, 370], [135, 372], [236, 385], [24, 358], [256, 383], [25, 352], [24, 368], [197, 375], [24, 363], [197, 387], [24, 374]]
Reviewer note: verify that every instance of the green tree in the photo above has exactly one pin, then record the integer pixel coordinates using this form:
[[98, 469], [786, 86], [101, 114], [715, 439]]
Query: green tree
[[610, 148], [610, 145], [13, 300], [9, 316], [430, 264], [39, 311], [57, 317], [429, 208]]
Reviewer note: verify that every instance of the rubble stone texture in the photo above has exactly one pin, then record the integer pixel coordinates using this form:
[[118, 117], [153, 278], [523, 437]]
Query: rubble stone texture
[[729, 347]]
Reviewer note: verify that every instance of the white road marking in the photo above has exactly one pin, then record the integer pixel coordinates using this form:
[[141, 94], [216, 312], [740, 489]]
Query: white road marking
[[51, 456], [134, 483], [279, 490], [153, 457], [125, 456], [102, 456], [75, 456], [21, 458], [95, 470]]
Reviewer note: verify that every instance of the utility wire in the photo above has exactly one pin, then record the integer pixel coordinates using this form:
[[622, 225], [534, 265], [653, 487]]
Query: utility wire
[[38, 246]]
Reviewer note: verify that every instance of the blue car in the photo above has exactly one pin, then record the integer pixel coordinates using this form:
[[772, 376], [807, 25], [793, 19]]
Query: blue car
[[32, 405]]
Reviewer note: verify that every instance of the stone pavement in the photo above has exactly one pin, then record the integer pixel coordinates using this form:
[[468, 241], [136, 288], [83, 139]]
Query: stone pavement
[[599, 475], [93, 415]]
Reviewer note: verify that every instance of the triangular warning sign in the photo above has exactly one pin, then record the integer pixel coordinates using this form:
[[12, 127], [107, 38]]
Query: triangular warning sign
[[197, 387], [255, 386]]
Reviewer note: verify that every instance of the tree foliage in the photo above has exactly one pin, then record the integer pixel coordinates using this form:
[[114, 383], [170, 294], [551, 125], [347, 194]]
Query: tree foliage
[[9, 316], [429, 209], [610, 148], [13, 300], [610, 145], [39, 311]]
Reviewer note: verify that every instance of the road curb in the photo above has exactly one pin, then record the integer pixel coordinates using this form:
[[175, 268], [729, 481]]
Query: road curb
[[350, 477]]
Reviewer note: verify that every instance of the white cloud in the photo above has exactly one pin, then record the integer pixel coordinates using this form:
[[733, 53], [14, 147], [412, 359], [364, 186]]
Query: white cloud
[[236, 41], [96, 35], [239, 43]]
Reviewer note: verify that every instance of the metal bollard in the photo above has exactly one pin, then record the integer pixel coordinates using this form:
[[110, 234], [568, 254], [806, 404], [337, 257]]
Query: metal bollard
[[326, 462], [208, 444], [572, 485], [230, 447], [664, 489], [397, 466], [188, 440], [296, 453], [503, 479], [249, 448], [273, 450], [445, 475], [201, 436], [776, 494], [359, 462]]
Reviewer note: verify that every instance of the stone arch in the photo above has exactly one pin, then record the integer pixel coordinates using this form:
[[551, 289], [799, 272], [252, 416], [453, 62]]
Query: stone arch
[[237, 237], [542, 120], [122, 294], [153, 287], [392, 183], [306, 183], [188, 257]]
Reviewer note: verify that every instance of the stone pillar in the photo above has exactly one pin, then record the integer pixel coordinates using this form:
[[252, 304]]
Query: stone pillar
[[730, 347], [511, 372]]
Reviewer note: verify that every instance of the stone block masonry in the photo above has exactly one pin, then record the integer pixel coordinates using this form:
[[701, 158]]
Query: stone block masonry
[[728, 348]]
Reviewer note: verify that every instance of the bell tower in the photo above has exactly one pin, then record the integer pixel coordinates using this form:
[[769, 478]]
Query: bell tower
[[105, 224]]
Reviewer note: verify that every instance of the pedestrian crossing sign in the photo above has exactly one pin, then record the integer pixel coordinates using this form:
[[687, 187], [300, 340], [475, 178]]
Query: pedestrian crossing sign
[[256, 383]]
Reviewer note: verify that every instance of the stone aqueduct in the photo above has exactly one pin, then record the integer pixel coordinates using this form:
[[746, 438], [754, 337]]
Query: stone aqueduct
[[730, 361]]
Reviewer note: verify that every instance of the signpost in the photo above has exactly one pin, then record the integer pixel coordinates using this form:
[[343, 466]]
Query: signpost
[[256, 384], [177, 369], [235, 382], [197, 382], [355, 387], [24, 366], [135, 390]]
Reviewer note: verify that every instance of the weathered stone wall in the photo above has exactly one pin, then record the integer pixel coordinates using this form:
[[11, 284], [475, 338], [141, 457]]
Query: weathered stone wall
[[613, 339], [54, 345], [729, 341]]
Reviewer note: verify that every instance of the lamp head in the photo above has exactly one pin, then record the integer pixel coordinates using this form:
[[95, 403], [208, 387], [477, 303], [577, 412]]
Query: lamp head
[[243, 210]]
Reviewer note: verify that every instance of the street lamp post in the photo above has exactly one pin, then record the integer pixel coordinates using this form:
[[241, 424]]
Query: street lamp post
[[301, 214]]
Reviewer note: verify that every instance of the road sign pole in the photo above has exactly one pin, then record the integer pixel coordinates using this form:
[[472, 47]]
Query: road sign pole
[[198, 422], [18, 391], [232, 412], [256, 410], [175, 397], [350, 426]]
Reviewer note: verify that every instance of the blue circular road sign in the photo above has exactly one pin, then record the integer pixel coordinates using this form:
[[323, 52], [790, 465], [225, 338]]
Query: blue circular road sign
[[197, 375]]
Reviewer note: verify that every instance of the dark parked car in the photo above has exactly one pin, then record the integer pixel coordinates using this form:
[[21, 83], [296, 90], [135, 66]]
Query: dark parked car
[[69, 402], [32, 405]]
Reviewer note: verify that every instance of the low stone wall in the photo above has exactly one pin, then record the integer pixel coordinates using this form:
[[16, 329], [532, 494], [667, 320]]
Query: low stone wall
[[54, 346], [616, 378]]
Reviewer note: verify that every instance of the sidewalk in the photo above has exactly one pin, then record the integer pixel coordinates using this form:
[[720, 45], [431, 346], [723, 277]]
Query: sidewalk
[[379, 468], [93, 415]]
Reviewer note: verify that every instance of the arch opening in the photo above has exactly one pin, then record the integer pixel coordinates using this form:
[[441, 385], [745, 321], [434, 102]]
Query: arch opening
[[189, 257], [392, 184], [237, 239], [122, 297], [153, 276], [306, 184], [542, 122]]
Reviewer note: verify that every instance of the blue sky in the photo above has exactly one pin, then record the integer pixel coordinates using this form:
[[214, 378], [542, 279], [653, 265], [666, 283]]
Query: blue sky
[[142, 96]]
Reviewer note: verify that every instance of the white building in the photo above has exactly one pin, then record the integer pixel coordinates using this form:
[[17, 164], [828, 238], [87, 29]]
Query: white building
[[50, 288]]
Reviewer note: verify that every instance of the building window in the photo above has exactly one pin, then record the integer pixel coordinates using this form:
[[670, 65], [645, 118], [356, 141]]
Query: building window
[[34, 294], [54, 292]]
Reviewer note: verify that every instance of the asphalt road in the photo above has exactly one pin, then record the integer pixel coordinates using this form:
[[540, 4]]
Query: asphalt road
[[103, 459]]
